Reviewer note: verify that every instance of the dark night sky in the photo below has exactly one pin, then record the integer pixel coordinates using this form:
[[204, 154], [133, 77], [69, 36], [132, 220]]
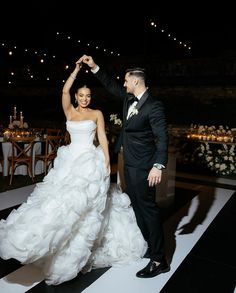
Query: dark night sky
[[208, 30], [33, 25]]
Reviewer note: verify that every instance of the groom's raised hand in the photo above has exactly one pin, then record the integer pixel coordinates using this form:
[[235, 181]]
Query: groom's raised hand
[[88, 60]]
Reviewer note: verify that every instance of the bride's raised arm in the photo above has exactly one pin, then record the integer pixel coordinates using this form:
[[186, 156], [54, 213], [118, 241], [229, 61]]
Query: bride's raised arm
[[66, 98]]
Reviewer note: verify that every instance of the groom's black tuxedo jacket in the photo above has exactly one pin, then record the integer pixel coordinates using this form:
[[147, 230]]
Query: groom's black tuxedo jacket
[[144, 136]]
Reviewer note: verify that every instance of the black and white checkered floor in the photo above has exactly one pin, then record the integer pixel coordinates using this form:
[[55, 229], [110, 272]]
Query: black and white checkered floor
[[199, 227]]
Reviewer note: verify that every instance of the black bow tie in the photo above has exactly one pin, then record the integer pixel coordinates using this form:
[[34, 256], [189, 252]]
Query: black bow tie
[[134, 99]]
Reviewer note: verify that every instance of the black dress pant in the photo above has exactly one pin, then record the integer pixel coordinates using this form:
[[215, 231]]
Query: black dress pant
[[146, 210]]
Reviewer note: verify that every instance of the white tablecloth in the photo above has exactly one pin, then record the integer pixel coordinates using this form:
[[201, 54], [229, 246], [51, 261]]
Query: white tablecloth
[[21, 170]]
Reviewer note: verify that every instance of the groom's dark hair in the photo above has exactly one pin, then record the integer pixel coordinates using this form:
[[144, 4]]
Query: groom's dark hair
[[137, 71]]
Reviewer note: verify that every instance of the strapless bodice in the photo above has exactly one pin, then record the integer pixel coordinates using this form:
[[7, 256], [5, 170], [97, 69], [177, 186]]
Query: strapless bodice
[[82, 132]]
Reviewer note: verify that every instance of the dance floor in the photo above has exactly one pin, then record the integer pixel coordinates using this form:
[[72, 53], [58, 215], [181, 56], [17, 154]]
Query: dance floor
[[199, 229]]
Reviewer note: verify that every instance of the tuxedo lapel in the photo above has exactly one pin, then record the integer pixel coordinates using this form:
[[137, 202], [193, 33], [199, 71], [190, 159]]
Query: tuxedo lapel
[[142, 100]]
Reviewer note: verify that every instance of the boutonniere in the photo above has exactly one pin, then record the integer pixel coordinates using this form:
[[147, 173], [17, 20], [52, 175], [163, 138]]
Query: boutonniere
[[134, 111]]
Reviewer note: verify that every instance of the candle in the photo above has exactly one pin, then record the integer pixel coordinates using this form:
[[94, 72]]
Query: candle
[[21, 122], [14, 112], [20, 114], [226, 139], [10, 119]]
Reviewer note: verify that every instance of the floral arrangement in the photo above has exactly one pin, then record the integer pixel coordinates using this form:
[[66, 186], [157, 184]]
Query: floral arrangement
[[17, 124], [116, 120], [211, 133], [221, 161]]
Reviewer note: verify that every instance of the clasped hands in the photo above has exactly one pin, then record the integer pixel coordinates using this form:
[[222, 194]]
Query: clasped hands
[[87, 60], [154, 176]]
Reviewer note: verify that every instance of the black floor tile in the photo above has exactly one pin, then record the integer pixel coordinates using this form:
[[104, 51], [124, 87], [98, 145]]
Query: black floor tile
[[207, 182], [4, 213], [219, 242], [211, 264], [8, 266], [77, 285], [182, 197], [197, 275]]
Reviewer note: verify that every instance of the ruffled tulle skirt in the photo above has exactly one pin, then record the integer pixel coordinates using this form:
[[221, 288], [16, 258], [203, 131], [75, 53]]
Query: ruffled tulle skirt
[[74, 220]]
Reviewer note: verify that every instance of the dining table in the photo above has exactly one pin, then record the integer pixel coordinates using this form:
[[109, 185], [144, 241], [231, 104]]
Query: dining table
[[22, 170]]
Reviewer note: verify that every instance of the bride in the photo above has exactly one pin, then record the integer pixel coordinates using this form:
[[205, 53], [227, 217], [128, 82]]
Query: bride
[[74, 220]]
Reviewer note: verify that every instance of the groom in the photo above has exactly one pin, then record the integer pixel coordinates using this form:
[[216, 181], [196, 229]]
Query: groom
[[144, 139]]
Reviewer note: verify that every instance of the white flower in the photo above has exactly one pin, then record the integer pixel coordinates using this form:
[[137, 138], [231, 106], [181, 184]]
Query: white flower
[[222, 167], [221, 161], [116, 121], [25, 125], [209, 159]]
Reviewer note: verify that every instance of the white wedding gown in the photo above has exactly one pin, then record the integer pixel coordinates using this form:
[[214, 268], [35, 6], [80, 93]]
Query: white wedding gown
[[74, 220]]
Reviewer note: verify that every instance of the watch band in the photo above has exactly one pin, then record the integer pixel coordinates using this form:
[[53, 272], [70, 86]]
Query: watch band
[[158, 166]]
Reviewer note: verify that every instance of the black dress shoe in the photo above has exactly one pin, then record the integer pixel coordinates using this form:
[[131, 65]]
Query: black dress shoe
[[153, 269]]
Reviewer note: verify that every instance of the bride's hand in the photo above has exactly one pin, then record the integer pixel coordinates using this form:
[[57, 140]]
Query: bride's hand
[[79, 64], [87, 60], [108, 166]]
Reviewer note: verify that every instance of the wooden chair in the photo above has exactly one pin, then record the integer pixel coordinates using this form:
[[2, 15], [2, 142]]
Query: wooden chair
[[53, 131], [21, 154], [67, 139], [49, 151]]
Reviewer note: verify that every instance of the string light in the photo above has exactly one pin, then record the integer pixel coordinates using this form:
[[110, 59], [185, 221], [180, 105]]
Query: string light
[[30, 53], [44, 57], [86, 44], [169, 35]]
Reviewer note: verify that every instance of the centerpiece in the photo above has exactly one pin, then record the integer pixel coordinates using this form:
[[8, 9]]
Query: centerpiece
[[17, 123], [16, 127]]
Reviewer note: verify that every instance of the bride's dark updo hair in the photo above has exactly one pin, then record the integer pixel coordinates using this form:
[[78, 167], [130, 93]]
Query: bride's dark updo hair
[[82, 86]]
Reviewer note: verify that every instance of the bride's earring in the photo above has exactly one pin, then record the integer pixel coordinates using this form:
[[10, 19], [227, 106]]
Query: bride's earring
[[76, 101]]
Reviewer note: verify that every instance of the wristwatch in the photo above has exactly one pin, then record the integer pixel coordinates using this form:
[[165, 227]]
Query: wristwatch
[[158, 166]]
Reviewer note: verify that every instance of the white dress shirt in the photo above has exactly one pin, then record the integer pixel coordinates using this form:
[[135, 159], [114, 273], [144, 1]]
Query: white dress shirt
[[132, 106]]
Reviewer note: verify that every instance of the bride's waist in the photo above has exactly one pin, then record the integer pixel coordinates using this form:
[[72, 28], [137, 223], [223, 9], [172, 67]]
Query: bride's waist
[[82, 145]]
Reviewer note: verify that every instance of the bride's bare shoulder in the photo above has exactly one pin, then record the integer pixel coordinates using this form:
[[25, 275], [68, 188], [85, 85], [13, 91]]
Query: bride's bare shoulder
[[97, 112]]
